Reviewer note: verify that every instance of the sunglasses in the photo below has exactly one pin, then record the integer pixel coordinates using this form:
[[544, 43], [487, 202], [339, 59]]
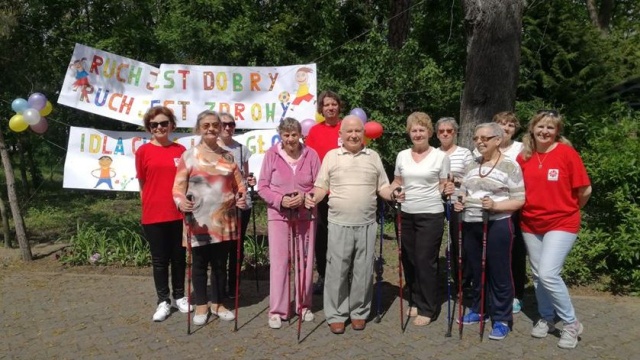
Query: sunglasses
[[154, 125], [228, 124], [484, 139], [553, 113], [206, 126], [448, 131]]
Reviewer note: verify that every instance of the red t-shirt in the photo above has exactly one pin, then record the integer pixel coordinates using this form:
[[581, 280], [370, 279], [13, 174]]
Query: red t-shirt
[[323, 137], [156, 169], [551, 182]]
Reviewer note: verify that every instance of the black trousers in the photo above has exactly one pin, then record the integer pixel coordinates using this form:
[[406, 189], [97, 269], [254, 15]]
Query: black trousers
[[421, 240], [232, 258], [165, 242], [203, 256], [322, 236], [498, 281]]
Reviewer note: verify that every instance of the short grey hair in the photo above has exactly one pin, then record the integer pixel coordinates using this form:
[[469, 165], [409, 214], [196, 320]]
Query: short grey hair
[[447, 120], [496, 129], [203, 115], [289, 124]]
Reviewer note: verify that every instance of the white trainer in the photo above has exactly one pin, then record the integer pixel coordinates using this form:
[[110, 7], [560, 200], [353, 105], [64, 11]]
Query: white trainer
[[275, 322], [182, 305], [307, 315], [162, 311], [570, 334], [542, 328], [225, 315]]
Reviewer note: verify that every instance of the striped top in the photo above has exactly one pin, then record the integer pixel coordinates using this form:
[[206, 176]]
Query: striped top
[[504, 182], [460, 158]]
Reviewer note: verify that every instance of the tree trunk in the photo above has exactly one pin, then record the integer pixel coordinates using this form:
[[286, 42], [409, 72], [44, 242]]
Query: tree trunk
[[5, 223], [493, 29], [601, 18], [21, 234], [399, 23]]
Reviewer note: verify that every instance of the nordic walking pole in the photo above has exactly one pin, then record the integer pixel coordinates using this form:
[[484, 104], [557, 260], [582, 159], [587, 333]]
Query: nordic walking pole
[[380, 266], [255, 239], [239, 244], [449, 275], [188, 220], [399, 222], [460, 312], [303, 278], [485, 229], [292, 255]]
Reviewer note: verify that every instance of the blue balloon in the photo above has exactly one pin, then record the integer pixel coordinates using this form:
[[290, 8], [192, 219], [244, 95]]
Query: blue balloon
[[359, 113], [19, 105]]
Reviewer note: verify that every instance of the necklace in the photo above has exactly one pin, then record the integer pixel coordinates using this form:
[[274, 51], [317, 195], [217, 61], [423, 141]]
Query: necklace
[[482, 176], [541, 161]]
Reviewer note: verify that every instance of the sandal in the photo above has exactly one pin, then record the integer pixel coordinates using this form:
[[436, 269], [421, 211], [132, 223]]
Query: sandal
[[421, 320]]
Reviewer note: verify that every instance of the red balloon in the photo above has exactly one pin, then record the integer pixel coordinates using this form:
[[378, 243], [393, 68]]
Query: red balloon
[[373, 129]]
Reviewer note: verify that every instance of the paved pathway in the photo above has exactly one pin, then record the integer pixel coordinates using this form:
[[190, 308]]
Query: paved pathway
[[64, 315]]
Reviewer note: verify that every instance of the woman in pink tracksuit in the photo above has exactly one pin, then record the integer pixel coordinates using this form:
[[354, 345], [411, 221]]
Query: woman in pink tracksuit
[[289, 170]]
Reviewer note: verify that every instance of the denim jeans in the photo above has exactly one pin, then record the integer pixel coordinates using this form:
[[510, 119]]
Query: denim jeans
[[547, 253]]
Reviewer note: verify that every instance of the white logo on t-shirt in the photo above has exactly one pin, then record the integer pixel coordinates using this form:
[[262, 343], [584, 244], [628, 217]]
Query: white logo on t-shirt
[[176, 161], [553, 175]]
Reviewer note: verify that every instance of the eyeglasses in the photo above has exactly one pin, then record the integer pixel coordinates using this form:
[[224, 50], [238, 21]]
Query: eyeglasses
[[442, 131], [206, 126], [484, 139], [228, 124], [553, 113], [154, 125]]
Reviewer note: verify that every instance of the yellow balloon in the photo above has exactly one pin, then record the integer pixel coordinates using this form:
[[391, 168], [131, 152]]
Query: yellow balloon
[[17, 123], [46, 110], [319, 118], [366, 141]]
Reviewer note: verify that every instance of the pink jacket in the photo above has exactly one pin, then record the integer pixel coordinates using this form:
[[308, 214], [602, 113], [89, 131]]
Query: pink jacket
[[277, 178]]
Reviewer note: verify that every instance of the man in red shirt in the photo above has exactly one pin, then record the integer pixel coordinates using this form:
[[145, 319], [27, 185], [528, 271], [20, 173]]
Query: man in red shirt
[[322, 138]]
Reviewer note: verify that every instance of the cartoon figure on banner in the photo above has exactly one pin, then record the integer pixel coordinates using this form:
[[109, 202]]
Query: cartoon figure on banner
[[82, 76], [105, 173], [302, 78], [284, 98]]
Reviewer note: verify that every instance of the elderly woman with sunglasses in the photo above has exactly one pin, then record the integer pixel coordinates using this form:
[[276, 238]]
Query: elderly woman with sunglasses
[[209, 185], [459, 158], [161, 221], [493, 189], [557, 187], [241, 155]]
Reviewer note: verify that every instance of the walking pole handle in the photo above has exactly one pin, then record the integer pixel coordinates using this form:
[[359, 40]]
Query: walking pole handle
[[188, 216]]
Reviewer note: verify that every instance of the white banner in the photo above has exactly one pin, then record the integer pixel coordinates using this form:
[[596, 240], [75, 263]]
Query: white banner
[[123, 89], [258, 97], [108, 85], [105, 160]]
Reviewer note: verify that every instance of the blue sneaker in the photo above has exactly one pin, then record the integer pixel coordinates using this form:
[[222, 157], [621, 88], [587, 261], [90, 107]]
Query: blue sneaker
[[500, 331], [472, 318], [517, 306]]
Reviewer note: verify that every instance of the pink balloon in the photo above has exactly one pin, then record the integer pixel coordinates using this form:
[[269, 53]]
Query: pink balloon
[[41, 127], [37, 101], [306, 126]]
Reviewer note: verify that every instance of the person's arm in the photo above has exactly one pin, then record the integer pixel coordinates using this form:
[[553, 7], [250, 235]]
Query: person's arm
[[180, 185], [270, 196], [584, 193]]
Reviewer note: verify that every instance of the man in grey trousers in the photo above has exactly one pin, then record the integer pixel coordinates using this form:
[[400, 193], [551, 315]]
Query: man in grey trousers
[[355, 176]]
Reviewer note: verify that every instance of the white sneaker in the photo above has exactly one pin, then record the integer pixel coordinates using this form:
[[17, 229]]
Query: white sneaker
[[225, 315], [182, 304], [570, 334], [542, 328], [162, 311], [200, 319], [307, 315], [275, 322]]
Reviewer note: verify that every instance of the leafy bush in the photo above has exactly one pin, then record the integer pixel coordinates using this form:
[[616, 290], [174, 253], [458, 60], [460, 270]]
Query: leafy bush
[[107, 246], [608, 247]]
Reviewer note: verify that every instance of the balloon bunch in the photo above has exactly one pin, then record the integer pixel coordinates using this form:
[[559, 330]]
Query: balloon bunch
[[372, 129], [30, 114]]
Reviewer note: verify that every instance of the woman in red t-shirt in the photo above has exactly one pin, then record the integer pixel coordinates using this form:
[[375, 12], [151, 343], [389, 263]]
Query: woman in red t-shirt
[[156, 163], [556, 188]]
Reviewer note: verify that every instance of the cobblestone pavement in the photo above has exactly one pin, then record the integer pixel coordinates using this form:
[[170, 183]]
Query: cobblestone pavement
[[64, 315]]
